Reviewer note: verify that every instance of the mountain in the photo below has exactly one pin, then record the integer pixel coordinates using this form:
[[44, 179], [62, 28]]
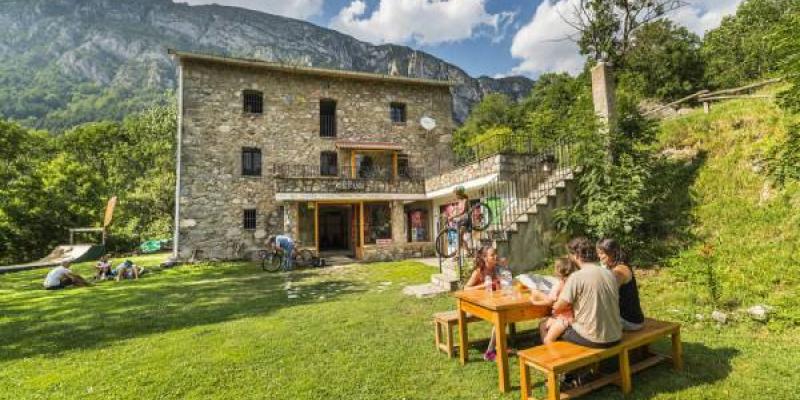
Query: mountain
[[64, 62]]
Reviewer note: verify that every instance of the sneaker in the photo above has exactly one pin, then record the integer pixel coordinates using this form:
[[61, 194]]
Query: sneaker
[[490, 355]]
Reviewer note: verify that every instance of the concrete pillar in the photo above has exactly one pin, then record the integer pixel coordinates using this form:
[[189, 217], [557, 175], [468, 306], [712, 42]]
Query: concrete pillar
[[603, 99]]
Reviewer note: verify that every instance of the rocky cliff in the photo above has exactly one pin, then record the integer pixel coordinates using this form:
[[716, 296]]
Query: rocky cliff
[[103, 58]]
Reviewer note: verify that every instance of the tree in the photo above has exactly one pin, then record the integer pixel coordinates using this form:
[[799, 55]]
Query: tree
[[495, 110], [664, 61], [738, 51], [605, 28]]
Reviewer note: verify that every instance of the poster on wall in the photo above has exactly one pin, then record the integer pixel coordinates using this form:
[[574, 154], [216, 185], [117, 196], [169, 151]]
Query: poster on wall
[[418, 231]]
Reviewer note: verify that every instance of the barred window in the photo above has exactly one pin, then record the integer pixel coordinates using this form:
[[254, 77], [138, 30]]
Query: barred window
[[253, 102], [328, 163], [251, 161], [250, 219], [398, 112]]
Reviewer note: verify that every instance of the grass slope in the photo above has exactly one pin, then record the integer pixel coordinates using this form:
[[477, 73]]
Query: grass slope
[[753, 227]]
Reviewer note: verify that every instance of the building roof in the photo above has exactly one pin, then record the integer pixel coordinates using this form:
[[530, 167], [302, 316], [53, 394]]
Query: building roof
[[346, 144], [334, 73]]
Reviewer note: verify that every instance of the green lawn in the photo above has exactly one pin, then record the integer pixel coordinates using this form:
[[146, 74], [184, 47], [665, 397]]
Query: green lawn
[[229, 330]]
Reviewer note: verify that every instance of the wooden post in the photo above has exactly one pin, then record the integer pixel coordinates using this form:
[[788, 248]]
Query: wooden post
[[463, 340], [625, 371], [316, 225], [394, 165], [706, 106], [352, 164], [361, 227]]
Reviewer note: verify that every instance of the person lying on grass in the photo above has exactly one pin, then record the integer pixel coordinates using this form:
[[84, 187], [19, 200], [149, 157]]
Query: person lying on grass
[[128, 270], [630, 309], [61, 276], [553, 327]]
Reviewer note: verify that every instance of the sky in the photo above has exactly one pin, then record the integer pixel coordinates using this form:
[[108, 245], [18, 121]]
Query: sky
[[484, 37]]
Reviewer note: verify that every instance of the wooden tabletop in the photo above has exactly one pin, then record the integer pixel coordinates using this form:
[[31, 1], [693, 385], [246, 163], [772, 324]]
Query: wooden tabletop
[[496, 300]]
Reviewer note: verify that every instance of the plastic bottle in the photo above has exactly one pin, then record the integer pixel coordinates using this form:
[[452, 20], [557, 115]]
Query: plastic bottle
[[487, 283]]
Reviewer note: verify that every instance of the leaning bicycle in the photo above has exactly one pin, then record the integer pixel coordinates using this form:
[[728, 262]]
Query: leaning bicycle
[[451, 240], [272, 260]]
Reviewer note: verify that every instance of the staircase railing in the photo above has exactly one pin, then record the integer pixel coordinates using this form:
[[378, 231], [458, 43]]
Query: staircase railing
[[517, 192]]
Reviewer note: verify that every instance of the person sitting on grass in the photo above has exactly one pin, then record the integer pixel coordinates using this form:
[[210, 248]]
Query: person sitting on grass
[[593, 294], [285, 244], [61, 276], [128, 270], [103, 269], [630, 309], [553, 327], [484, 275]]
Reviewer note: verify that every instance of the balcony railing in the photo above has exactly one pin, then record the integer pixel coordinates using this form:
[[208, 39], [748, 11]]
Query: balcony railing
[[346, 178]]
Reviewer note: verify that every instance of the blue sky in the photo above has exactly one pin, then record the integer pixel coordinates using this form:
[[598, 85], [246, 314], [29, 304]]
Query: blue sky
[[484, 37]]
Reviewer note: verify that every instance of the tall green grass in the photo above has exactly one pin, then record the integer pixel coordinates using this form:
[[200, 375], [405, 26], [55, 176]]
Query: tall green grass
[[750, 227]]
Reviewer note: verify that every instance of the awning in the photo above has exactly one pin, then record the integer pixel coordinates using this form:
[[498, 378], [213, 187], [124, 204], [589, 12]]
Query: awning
[[344, 144]]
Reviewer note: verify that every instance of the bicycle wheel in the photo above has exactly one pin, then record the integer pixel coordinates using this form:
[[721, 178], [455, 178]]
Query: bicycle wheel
[[271, 261], [447, 243], [480, 216], [304, 257]]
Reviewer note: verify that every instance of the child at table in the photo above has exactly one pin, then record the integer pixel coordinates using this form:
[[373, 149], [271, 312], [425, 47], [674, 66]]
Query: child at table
[[551, 328], [485, 272]]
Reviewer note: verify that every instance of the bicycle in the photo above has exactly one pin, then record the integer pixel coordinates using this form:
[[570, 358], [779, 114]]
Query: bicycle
[[480, 216], [271, 260]]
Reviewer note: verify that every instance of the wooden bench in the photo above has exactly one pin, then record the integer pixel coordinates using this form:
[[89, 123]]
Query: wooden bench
[[562, 357], [446, 321]]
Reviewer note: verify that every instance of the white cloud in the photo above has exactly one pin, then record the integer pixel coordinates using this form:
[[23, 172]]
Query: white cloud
[[301, 9], [702, 15], [543, 43], [420, 21], [541, 46]]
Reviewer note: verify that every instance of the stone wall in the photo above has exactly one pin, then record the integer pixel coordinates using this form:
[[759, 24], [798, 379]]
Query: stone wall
[[502, 164], [213, 192]]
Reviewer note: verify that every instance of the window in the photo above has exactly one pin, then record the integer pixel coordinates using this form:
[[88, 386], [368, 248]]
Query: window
[[403, 170], [253, 102], [398, 113], [327, 118], [328, 163], [251, 161], [377, 222], [250, 219]]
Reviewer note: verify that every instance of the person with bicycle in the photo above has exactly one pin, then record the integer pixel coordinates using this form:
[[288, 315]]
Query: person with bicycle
[[285, 244], [461, 218]]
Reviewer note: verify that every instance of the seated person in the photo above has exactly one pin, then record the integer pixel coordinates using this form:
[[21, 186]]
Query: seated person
[[285, 244], [103, 269], [61, 277], [128, 270], [553, 327], [630, 309], [593, 294]]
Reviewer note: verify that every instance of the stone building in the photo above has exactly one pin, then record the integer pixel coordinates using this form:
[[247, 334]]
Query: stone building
[[334, 158]]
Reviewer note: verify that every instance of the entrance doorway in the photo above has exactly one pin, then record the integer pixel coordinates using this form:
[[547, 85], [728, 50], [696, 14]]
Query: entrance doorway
[[335, 229]]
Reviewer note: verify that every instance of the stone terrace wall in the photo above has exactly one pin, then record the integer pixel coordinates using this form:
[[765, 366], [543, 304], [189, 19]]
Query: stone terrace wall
[[501, 164]]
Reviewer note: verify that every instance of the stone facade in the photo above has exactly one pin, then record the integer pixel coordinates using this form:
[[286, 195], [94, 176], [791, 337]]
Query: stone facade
[[212, 191]]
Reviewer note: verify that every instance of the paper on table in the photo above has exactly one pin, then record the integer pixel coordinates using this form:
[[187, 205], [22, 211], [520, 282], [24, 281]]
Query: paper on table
[[540, 282]]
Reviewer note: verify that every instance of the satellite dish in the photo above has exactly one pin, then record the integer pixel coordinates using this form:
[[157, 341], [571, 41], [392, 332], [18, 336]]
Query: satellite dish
[[428, 123]]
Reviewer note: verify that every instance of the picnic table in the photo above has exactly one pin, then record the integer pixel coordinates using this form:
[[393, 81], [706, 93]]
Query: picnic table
[[500, 309]]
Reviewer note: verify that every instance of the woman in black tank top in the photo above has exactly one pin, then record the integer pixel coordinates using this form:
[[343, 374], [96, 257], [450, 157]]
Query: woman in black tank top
[[629, 307]]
